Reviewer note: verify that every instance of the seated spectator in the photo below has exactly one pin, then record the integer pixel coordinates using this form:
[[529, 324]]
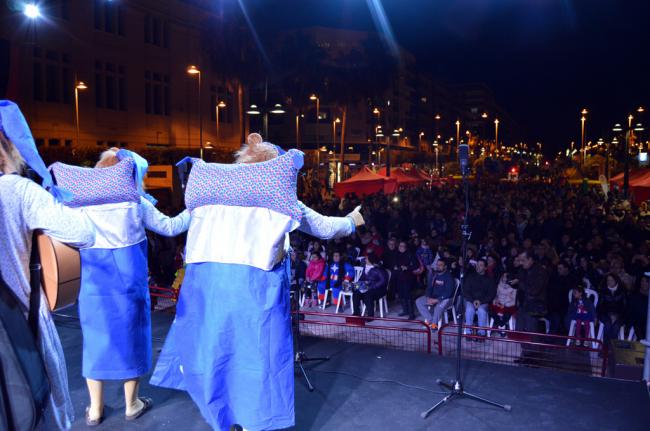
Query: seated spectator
[[531, 282], [636, 314], [478, 292], [337, 273], [504, 304], [437, 297], [558, 292], [611, 306], [582, 311], [373, 284], [404, 272], [298, 271], [314, 275], [425, 255]]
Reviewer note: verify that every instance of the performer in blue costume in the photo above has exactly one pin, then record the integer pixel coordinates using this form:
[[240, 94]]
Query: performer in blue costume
[[114, 303], [25, 207], [230, 346]]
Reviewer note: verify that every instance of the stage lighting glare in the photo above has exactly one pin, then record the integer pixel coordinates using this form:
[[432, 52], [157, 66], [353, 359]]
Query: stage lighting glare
[[32, 11]]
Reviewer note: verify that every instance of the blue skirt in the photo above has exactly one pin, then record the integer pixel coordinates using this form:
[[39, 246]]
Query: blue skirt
[[230, 346], [114, 311]]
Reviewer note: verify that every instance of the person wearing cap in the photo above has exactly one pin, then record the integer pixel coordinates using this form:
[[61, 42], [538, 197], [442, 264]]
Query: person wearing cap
[[24, 208], [114, 302], [230, 346]]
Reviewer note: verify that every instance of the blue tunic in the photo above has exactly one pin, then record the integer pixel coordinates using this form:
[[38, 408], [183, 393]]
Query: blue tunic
[[114, 303], [230, 346], [114, 310]]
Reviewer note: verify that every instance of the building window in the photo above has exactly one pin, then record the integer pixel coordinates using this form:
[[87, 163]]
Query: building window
[[110, 86], [68, 142], [39, 142], [52, 78], [156, 93], [109, 17], [156, 31], [54, 142]]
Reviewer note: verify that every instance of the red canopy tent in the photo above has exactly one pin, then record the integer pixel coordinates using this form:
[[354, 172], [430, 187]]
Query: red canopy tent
[[639, 184], [403, 179], [366, 182]]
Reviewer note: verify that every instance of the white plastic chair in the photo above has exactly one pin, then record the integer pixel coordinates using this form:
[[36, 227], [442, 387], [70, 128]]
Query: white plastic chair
[[512, 323], [631, 336]]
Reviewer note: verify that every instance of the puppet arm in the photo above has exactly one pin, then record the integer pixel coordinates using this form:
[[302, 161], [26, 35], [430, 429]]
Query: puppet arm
[[324, 227], [158, 222]]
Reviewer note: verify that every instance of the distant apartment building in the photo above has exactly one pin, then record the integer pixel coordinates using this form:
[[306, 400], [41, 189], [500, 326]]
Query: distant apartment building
[[133, 58]]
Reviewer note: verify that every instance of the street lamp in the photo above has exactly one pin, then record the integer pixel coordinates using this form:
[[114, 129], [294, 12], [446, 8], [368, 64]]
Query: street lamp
[[583, 119], [457, 132], [220, 105], [496, 132], [79, 85], [192, 70], [315, 98], [435, 148]]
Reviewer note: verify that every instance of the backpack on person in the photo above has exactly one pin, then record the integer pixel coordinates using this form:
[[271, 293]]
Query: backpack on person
[[24, 386]]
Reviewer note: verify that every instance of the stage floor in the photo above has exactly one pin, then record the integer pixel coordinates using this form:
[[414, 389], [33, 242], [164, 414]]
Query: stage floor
[[371, 388]]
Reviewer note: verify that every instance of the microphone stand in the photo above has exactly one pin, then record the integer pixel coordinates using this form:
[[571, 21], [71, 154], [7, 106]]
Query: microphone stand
[[455, 388], [301, 356]]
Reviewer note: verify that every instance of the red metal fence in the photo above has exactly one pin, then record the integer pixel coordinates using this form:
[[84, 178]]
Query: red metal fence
[[410, 335], [527, 349]]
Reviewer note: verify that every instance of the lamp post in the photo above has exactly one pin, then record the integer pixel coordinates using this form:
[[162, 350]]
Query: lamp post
[[220, 105], [298, 117], [583, 119], [192, 70], [79, 85], [316, 99], [435, 149], [338, 165], [496, 132]]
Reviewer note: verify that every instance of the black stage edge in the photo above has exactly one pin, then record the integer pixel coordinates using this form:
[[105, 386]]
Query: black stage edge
[[346, 399]]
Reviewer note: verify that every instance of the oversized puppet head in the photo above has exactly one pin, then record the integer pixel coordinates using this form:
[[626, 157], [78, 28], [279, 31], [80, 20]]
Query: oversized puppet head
[[256, 150]]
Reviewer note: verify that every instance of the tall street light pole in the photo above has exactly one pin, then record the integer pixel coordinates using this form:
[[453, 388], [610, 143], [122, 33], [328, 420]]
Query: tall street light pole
[[79, 85], [338, 167], [496, 133], [193, 70], [583, 119], [220, 105], [457, 133]]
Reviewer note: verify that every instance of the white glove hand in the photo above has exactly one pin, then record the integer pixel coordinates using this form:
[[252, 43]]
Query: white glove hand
[[356, 217]]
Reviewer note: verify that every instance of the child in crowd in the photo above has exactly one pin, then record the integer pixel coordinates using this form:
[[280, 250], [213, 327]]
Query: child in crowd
[[314, 275], [581, 310], [503, 305]]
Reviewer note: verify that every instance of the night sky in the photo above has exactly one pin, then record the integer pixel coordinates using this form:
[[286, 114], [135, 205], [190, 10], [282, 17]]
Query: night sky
[[544, 59]]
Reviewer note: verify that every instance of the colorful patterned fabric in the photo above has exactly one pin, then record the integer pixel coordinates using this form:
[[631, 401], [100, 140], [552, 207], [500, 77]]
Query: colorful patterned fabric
[[96, 186], [270, 184]]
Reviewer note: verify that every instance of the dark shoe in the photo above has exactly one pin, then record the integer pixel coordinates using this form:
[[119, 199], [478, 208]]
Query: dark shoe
[[236, 427], [93, 422], [147, 403]]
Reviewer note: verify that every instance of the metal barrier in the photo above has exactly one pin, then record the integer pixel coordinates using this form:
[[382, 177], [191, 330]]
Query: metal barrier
[[163, 298], [526, 349], [400, 334]]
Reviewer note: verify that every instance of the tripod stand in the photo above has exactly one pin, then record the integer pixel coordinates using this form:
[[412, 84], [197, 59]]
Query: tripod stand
[[455, 388], [301, 357]]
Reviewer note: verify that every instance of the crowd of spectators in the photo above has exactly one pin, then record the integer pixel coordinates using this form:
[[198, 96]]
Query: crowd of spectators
[[537, 250]]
